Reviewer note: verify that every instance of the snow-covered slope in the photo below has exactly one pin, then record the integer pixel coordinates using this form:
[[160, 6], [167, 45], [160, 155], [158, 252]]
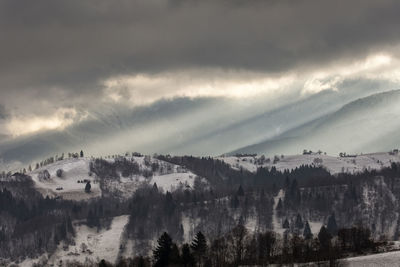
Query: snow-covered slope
[[67, 186], [76, 171], [92, 244], [334, 165], [382, 259]]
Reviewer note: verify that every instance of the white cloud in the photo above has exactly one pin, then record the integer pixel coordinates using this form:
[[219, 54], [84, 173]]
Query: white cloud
[[373, 67], [21, 125], [143, 89]]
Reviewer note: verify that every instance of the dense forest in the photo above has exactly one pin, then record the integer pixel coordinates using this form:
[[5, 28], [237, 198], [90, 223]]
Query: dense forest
[[225, 219]]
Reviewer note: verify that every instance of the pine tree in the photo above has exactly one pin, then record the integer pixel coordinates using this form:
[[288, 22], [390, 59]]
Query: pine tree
[[163, 251], [299, 222], [324, 238], [155, 187], [307, 231], [286, 224], [88, 187], [199, 246], [332, 226]]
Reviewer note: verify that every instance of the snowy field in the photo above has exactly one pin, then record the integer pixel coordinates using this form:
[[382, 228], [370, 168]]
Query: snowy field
[[334, 165], [69, 185], [169, 182], [388, 259], [74, 170]]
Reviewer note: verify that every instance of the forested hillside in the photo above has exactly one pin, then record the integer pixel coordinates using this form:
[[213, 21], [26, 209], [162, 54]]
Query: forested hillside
[[72, 208]]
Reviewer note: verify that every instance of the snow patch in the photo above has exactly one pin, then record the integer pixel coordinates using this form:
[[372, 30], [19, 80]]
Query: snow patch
[[382, 259], [67, 186], [92, 244], [334, 165]]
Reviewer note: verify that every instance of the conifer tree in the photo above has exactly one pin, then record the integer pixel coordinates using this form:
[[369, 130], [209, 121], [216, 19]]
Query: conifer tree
[[88, 187], [163, 251], [324, 238], [199, 246], [307, 231], [299, 222], [286, 224], [332, 226]]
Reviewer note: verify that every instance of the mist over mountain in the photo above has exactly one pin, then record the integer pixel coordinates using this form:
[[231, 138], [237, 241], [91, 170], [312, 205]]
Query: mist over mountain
[[365, 125], [214, 126]]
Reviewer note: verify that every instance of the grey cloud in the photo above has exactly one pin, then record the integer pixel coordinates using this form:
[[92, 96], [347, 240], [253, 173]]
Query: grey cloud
[[73, 44], [3, 113]]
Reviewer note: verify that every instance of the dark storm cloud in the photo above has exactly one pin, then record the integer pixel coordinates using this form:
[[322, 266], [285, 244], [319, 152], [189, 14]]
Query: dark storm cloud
[[49, 46]]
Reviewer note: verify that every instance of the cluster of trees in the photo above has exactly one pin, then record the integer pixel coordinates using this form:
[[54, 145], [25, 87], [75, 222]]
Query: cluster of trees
[[127, 167], [31, 224], [240, 247], [224, 179], [167, 252]]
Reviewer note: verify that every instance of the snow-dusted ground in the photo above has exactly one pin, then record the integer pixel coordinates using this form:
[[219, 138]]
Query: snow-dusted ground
[[97, 246], [74, 170], [28, 262], [387, 259], [315, 227], [170, 178], [333, 164], [169, 182], [100, 245]]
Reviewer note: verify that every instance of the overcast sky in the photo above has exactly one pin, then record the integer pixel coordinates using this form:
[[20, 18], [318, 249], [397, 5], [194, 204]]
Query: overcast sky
[[61, 59]]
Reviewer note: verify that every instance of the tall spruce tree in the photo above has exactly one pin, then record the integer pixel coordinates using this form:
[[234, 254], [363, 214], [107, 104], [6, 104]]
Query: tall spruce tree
[[286, 224], [199, 246], [299, 222], [163, 251], [324, 238], [332, 226], [307, 231]]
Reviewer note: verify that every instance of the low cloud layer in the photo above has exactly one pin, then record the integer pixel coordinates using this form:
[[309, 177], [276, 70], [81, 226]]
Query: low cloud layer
[[76, 55]]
